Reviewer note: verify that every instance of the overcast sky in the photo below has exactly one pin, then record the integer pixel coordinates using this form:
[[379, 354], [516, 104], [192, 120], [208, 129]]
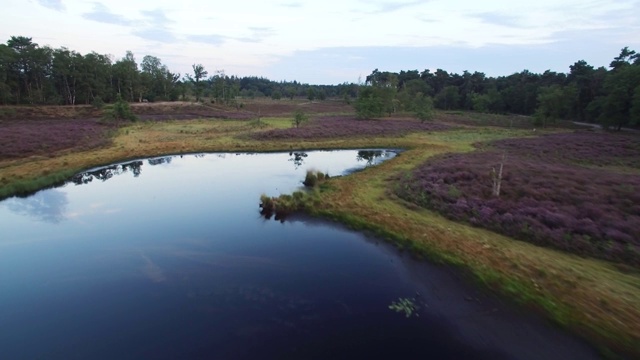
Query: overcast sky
[[330, 42]]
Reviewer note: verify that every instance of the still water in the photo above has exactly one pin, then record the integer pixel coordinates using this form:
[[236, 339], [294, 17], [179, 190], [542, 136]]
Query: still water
[[169, 258]]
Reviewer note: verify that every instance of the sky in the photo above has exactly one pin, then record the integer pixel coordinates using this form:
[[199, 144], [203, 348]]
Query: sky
[[332, 42]]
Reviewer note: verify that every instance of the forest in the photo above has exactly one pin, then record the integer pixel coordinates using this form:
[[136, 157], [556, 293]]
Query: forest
[[34, 74]]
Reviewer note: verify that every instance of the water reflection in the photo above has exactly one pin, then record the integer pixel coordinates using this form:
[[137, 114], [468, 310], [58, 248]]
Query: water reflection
[[106, 173], [370, 156], [163, 160], [49, 206], [298, 158]]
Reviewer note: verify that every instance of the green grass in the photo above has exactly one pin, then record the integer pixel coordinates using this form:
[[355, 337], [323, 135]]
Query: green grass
[[31, 185], [278, 122]]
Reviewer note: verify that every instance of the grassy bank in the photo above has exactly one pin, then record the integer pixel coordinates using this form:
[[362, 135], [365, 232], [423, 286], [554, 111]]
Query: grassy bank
[[595, 298], [591, 297]]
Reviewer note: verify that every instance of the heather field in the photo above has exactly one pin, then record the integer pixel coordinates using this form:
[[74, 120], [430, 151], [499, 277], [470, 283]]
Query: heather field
[[20, 139], [268, 107], [481, 119], [586, 148], [547, 196], [329, 127]]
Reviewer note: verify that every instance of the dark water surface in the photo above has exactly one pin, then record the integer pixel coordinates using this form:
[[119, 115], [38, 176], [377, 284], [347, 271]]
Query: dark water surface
[[169, 258]]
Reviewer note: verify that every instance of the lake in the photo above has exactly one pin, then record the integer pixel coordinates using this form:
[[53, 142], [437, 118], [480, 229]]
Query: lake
[[169, 258]]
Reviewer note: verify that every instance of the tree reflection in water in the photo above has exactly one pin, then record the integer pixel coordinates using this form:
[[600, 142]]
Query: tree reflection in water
[[162, 160], [298, 158], [106, 173], [370, 155]]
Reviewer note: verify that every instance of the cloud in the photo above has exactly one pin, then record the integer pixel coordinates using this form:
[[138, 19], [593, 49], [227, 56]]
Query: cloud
[[52, 4], [157, 17], [391, 6], [495, 18], [156, 34], [211, 39], [102, 14], [292, 5], [426, 19], [258, 34], [157, 27], [48, 206]]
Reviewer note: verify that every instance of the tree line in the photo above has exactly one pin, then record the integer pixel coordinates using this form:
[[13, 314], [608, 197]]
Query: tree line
[[610, 97], [41, 75], [33, 74]]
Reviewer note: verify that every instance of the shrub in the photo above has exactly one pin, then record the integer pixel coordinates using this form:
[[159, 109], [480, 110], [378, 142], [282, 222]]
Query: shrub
[[314, 178], [120, 111], [97, 103], [311, 179]]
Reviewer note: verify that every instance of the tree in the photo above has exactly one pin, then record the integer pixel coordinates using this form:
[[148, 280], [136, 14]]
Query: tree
[[620, 87], [152, 78], [22, 66], [311, 94], [448, 98], [126, 76], [6, 62], [66, 74], [369, 103], [582, 75], [199, 73], [414, 86], [551, 105], [299, 117], [480, 102], [95, 78], [634, 112], [423, 106], [625, 58]]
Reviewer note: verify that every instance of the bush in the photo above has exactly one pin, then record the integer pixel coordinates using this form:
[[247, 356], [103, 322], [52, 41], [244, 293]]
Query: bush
[[120, 111], [97, 103], [311, 180], [314, 178]]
